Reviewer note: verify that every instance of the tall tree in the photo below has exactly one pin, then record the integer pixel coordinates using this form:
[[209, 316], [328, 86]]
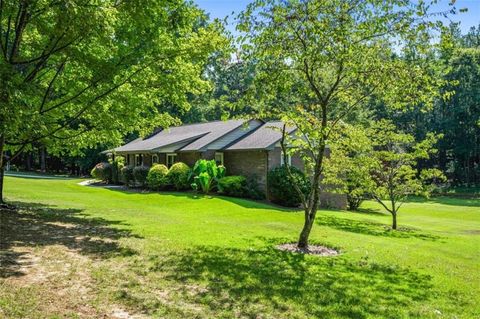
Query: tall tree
[[76, 73], [320, 61]]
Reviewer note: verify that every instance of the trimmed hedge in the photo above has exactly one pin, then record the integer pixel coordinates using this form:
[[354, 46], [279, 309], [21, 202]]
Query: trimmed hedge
[[140, 174], [233, 186], [179, 176], [280, 187], [127, 175], [157, 177], [102, 171]]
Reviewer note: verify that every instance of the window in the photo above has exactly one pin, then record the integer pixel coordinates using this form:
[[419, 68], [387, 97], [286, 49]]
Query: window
[[155, 159], [219, 158], [138, 159], [127, 157], [171, 159], [282, 159]]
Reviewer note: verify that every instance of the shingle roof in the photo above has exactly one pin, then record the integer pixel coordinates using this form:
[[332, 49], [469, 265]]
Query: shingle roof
[[200, 134], [263, 137]]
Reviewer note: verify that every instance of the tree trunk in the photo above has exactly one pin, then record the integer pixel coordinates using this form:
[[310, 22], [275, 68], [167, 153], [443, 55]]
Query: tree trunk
[[28, 163], [2, 174], [2, 168], [305, 234], [394, 222], [43, 155]]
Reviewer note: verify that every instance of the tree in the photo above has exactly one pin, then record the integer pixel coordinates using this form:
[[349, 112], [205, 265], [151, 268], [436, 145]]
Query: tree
[[458, 117], [319, 62], [348, 166], [394, 170], [77, 73]]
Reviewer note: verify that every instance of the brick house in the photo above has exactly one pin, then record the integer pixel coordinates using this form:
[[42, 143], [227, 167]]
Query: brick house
[[244, 147]]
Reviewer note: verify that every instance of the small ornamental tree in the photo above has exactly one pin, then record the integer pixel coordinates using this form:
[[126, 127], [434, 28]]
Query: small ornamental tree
[[349, 164], [394, 169], [319, 61]]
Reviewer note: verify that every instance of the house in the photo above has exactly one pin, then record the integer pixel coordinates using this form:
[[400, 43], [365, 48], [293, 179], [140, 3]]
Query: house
[[245, 147]]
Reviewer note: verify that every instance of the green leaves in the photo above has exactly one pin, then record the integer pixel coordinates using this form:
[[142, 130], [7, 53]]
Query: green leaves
[[74, 75], [206, 174]]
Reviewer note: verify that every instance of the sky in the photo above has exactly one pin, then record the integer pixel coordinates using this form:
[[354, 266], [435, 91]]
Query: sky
[[222, 8]]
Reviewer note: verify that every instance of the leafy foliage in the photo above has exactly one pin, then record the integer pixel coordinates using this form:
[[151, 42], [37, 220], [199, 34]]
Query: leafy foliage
[[103, 172], [117, 166], [179, 176], [127, 175], [69, 71], [140, 174], [349, 164], [157, 177], [233, 185], [206, 175], [318, 62], [394, 167], [280, 185]]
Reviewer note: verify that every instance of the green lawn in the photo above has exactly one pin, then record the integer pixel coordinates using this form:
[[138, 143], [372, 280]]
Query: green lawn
[[84, 252]]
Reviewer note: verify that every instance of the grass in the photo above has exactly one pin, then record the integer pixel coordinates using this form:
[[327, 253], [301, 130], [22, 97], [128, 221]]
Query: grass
[[81, 252]]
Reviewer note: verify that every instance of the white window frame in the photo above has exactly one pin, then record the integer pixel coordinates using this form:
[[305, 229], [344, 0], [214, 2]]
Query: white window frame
[[171, 155], [221, 158], [154, 159], [289, 159]]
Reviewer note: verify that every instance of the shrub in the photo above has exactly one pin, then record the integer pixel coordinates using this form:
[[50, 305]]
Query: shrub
[[140, 174], [102, 171], [280, 187], [207, 174], [157, 177], [233, 186], [253, 190], [117, 165], [127, 175], [179, 176]]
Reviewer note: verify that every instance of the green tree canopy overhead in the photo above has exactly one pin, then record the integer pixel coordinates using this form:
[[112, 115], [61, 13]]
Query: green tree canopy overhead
[[320, 61], [75, 73]]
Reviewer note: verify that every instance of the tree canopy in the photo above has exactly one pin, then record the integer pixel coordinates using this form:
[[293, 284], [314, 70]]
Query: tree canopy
[[320, 62], [75, 73]]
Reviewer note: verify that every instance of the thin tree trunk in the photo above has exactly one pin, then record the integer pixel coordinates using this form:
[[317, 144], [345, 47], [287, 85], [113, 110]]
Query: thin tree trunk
[[28, 163], [305, 233], [43, 155], [2, 168], [394, 223]]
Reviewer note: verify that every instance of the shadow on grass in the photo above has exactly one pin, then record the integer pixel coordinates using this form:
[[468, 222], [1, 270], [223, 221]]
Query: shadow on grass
[[447, 200], [371, 228], [37, 225], [250, 282]]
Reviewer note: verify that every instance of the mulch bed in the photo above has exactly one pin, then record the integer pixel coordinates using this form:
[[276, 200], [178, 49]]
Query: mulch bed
[[311, 250]]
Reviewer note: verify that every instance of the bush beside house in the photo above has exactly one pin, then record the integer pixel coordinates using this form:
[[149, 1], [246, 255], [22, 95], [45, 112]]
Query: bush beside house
[[127, 175], [206, 176], [179, 176], [233, 186], [117, 165], [140, 174], [157, 177], [280, 186], [103, 172]]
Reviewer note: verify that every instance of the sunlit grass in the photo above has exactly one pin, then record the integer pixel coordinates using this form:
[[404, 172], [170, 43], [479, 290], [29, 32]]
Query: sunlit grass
[[182, 255]]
